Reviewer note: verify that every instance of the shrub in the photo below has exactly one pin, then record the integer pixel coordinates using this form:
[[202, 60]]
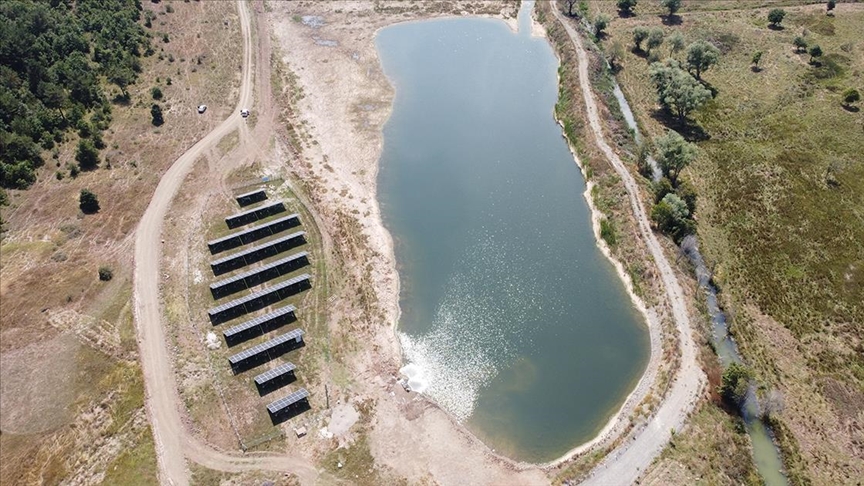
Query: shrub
[[626, 6], [639, 35], [850, 96], [607, 232], [156, 93], [671, 6], [735, 383], [600, 24], [156, 113], [672, 217], [800, 44], [87, 155], [815, 51], [105, 274], [88, 202]]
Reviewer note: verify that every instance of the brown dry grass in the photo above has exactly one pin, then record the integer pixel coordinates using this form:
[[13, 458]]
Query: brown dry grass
[[51, 253], [779, 210]]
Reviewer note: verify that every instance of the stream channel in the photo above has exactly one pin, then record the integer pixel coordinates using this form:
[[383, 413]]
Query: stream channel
[[765, 453], [512, 319]]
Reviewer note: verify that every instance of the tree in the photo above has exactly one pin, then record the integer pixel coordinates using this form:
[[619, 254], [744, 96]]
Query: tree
[[625, 7], [672, 217], [671, 6], [156, 113], [677, 91], [851, 96], [830, 5], [88, 202], [815, 51], [105, 274], [676, 43], [700, 56], [600, 24], [156, 93], [655, 38], [735, 383], [570, 4], [775, 17], [87, 155], [757, 56], [639, 35], [800, 44], [673, 154]]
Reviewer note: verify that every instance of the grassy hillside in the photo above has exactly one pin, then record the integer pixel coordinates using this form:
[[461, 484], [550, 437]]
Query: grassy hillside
[[781, 204]]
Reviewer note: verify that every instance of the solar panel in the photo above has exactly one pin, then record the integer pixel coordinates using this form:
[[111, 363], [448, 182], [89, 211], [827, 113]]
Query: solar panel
[[252, 229], [258, 320], [257, 248], [265, 346], [254, 210], [256, 191], [288, 401], [274, 373], [256, 295], [255, 271]]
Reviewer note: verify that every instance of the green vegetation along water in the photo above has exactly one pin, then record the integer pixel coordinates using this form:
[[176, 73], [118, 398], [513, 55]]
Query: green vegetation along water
[[512, 319]]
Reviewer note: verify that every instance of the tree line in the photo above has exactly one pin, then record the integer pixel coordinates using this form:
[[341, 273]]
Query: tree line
[[55, 58]]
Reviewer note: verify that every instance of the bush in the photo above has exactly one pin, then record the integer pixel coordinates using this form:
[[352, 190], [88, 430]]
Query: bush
[[672, 217], [607, 232], [671, 6], [88, 202], [156, 93], [87, 155], [735, 383], [800, 44], [600, 24], [105, 274], [850, 96], [626, 6], [156, 113], [639, 35]]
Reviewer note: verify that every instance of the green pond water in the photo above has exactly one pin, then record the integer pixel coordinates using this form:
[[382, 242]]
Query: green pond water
[[512, 320]]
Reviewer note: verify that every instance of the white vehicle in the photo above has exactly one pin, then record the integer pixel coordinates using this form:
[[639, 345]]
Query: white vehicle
[[244, 113], [202, 108]]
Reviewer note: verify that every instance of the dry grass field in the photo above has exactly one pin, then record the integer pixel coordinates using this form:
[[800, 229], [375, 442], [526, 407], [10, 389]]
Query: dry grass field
[[781, 190], [72, 391]]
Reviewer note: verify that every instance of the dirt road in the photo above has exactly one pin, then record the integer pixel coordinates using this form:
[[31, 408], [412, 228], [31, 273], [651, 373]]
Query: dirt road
[[174, 443], [627, 463]]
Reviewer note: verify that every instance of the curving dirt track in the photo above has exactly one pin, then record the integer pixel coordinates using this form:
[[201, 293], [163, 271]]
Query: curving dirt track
[[174, 442], [628, 462]]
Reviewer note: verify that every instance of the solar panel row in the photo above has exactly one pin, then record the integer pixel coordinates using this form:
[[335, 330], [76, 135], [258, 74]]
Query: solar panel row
[[259, 300], [259, 275], [254, 214], [251, 197], [257, 253], [259, 325], [253, 234]]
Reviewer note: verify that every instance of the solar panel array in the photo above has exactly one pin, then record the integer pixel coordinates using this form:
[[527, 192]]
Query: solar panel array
[[255, 249], [279, 376], [254, 229], [266, 346], [258, 295], [285, 402], [253, 272], [274, 373]]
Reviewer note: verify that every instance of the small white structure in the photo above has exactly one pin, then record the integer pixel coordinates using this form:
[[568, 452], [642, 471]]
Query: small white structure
[[244, 112], [202, 108]]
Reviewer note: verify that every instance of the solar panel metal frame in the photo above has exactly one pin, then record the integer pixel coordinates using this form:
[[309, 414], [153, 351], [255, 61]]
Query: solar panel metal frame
[[265, 346], [238, 234], [287, 401], [260, 293], [255, 210], [274, 373], [248, 251], [258, 270], [245, 326]]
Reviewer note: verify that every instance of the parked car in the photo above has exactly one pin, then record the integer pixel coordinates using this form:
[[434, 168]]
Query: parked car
[[202, 108], [244, 113]]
